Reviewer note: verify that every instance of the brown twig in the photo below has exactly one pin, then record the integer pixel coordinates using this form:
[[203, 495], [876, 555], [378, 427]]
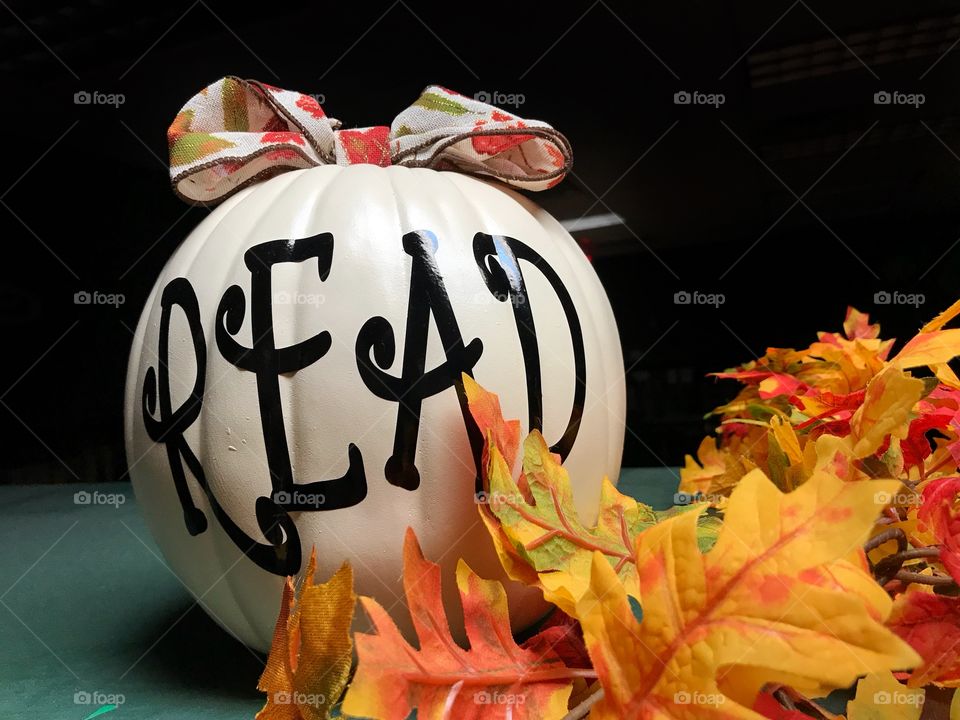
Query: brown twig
[[886, 536], [940, 581]]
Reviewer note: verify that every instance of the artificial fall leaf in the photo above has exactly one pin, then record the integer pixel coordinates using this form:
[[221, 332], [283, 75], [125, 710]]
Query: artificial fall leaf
[[886, 410], [764, 605], [769, 707], [880, 696], [931, 625], [538, 518], [562, 635], [716, 473], [311, 652], [534, 522], [494, 678], [940, 514], [929, 348]]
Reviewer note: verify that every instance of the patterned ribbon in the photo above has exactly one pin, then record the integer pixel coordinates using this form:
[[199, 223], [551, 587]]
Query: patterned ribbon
[[237, 132]]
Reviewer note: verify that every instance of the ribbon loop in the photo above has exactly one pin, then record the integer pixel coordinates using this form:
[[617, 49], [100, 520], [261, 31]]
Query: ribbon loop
[[237, 132]]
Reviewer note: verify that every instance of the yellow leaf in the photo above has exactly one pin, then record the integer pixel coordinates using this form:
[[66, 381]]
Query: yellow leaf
[[886, 410], [786, 439], [716, 473], [929, 348], [881, 697], [539, 526], [775, 600], [311, 653]]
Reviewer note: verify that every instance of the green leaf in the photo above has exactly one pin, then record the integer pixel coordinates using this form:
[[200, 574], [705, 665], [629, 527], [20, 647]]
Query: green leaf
[[432, 101], [190, 147], [234, 106]]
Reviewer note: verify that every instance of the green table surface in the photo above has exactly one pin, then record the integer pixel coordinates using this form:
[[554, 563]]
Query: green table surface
[[89, 607]]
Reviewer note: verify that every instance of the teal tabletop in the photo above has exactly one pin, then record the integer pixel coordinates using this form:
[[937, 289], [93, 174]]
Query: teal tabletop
[[92, 615]]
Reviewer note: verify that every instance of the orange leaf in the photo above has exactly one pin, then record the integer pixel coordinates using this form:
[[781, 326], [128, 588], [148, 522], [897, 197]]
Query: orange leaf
[[311, 653], [495, 678]]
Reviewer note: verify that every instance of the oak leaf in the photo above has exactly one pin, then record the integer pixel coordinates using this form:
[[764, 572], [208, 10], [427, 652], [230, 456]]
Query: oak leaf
[[494, 678]]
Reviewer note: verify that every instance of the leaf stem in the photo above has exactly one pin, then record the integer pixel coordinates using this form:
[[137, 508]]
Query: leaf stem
[[583, 709]]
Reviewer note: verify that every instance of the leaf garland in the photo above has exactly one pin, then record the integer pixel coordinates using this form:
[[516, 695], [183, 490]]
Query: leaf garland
[[830, 551]]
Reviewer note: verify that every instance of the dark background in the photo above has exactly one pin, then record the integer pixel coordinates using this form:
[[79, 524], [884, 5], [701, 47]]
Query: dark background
[[799, 195]]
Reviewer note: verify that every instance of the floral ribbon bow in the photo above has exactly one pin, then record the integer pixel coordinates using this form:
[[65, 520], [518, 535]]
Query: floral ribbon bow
[[237, 132]]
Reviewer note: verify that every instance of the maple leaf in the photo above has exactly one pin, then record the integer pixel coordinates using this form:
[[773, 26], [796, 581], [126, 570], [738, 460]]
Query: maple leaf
[[886, 410], [495, 678], [311, 652], [940, 514], [766, 604], [534, 522], [880, 696], [931, 624], [716, 473]]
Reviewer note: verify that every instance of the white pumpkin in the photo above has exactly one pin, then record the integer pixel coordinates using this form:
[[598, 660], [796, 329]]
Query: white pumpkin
[[367, 278]]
